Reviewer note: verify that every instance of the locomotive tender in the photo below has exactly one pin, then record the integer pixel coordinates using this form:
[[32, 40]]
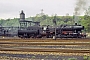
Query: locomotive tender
[[36, 31]]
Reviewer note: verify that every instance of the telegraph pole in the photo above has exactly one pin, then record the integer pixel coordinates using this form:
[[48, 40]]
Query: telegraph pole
[[54, 21]]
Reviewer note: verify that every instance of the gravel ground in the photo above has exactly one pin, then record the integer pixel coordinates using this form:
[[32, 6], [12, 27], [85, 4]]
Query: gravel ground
[[7, 55], [38, 57], [55, 47]]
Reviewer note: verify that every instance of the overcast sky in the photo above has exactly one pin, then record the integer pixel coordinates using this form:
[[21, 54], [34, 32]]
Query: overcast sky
[[12, 8]]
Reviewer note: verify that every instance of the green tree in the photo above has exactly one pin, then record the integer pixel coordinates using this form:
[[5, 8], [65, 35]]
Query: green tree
[[87, 19]]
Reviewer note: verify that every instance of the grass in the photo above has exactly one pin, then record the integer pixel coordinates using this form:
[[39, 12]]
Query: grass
[[85, 57], [33, 57], [89, 58], [72, 59]]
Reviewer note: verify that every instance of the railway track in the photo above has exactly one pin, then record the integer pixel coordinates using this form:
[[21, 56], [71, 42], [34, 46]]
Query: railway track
[[47, 45], [46, 50], [44, 40]]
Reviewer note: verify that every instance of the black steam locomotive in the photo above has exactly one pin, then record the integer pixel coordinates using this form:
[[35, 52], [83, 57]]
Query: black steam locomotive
[[62, 31]]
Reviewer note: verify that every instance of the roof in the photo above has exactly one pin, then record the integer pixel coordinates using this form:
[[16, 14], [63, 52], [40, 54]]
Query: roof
[[22, 12], [24, 21]]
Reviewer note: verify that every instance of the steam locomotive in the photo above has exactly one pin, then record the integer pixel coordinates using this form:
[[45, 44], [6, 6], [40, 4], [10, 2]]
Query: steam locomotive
[[62, 31]]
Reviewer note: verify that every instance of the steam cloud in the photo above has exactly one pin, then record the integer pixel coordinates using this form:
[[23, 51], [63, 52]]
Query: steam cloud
[[80, 6]]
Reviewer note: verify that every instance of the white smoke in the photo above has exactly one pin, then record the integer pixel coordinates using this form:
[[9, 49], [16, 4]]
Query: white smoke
[[81, 6]]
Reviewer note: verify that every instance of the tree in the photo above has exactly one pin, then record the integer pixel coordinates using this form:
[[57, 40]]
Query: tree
[[87, 19]]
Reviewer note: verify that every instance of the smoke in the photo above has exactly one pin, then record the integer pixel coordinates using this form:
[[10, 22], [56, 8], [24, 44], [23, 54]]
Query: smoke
[[81, 5]]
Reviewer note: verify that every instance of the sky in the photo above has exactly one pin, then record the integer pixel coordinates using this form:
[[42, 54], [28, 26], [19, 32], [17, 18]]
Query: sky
[[12, 8]]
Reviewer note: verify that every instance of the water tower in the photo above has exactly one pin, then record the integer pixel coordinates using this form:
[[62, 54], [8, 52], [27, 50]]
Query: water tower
[[22, 16]]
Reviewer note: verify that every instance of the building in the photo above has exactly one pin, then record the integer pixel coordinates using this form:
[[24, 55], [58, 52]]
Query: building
[[25, 23]]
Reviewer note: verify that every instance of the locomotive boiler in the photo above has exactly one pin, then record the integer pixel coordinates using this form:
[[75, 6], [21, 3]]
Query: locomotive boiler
[[66, 31], [71, 31]]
